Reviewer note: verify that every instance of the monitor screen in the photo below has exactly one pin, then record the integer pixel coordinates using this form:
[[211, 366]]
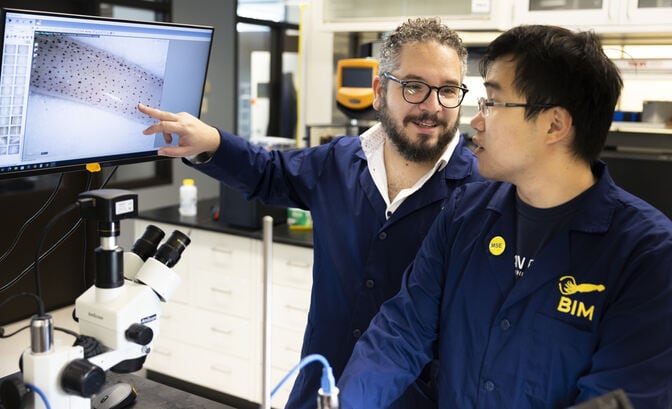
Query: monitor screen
[[70, 86], [357, 77]]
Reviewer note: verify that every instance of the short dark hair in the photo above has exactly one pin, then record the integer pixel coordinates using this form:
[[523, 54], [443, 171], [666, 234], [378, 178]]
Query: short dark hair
[[564, 68]]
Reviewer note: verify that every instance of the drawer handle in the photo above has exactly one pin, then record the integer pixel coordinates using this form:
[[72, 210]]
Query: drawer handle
[[292, 349], [221, 291], [295, 308], [301, 264], [160, 352], [221, 250], [221, 331], [221, 369]]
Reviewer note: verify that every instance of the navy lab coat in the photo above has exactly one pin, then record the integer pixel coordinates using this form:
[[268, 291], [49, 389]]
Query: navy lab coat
[[359, 255], [592, 314]]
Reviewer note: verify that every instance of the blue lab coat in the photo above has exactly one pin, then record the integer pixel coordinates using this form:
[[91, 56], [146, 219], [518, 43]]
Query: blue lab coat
[[592, 314], [359, 255]]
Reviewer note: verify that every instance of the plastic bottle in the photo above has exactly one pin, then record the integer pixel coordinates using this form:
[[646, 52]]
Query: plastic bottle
[[188, 198]]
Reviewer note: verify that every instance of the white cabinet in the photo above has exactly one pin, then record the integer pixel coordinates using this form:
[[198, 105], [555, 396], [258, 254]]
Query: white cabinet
[[211, 331], [603, 16], [290, 299], [649, 15], [385, 15], [584, 14]]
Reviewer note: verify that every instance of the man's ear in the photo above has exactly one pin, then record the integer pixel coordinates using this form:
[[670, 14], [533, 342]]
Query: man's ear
[[377, 92], [560, 124]]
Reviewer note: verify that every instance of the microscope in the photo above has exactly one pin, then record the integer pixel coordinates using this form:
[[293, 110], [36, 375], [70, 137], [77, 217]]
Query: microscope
[[120, 311]]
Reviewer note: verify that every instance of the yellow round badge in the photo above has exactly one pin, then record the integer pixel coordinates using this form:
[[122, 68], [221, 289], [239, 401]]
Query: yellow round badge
[[497, 245]]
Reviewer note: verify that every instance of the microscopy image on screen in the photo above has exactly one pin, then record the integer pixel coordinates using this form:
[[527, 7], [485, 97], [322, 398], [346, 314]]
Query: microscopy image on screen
[[90, 80], [67, 67]]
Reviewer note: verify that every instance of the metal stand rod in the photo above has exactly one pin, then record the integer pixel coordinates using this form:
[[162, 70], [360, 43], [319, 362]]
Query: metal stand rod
[[353, 127], [267, 225]]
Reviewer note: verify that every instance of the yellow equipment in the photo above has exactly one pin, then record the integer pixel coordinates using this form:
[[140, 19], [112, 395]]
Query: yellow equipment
[[354, 87]]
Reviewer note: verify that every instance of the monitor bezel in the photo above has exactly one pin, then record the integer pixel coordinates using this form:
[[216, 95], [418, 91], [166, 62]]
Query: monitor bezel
[[93, 164]]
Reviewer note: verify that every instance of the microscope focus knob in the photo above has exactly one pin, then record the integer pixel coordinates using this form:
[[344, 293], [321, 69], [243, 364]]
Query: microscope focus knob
[[139, 334], [12, 393], [81, 377]]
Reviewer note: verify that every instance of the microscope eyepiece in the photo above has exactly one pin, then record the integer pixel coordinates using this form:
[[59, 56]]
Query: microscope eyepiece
[[146, 245], [170, 252]]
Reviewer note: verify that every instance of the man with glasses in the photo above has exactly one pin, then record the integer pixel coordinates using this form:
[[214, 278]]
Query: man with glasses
[[372, 198], [548, 285]]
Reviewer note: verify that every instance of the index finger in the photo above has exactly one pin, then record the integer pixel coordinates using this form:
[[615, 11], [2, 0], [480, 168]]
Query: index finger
[[157, 113]]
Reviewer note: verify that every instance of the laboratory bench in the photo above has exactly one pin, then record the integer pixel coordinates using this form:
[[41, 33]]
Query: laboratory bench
[[205, 220], [212, 328], [153, 395], [639, 156]]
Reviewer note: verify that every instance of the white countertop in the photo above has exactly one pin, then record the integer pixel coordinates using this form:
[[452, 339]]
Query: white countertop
[[640, 127]]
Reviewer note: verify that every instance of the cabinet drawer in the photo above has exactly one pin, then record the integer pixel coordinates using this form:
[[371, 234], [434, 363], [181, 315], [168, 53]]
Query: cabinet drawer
[[292, 265], [226, 254], [221, 332], [227, 293], [215, 370], [227, 374], [285, 348], [214, 331], [176, 321], [171, 358], [280, 398], [289, 307]]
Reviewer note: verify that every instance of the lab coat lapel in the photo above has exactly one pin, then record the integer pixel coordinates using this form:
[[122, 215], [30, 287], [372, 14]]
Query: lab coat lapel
[[372, 194], [501, 234], [442, 183], [435, 189], [554, 259], [552, 262]]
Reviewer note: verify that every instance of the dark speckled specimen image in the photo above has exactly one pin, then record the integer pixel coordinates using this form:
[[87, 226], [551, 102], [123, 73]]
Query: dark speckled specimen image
[[88, 87], [64, 67]]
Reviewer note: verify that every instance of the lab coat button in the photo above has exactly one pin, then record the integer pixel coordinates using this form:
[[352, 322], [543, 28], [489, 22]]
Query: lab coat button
[[370, 283], [504, 324], [489, 386], [356, 333], [382, 236]]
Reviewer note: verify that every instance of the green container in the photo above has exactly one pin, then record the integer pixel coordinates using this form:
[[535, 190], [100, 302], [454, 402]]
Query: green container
[[299, 217]]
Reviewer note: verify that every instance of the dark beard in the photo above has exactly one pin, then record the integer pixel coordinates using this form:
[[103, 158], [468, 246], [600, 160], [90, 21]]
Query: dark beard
[[421, 152]]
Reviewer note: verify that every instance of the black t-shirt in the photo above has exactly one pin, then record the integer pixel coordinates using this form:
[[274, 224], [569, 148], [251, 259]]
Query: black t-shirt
[[535, 227]]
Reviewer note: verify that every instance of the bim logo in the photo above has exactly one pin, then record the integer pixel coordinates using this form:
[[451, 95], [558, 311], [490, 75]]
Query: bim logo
[[568, 286]]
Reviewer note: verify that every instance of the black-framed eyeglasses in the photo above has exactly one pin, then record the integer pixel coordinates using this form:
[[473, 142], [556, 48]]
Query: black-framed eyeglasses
[[417, 92], [485, 104]]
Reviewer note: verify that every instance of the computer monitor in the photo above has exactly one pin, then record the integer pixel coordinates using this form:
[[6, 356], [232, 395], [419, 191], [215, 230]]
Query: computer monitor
[[70, 86]]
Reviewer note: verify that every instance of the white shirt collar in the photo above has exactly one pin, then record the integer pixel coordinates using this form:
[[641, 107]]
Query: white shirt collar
[[373, 140]]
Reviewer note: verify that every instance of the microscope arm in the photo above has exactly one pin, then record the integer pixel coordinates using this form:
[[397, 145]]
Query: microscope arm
[[108, 359]]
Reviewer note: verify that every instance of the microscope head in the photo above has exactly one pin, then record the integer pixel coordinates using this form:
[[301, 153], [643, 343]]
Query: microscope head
[[122, 309]]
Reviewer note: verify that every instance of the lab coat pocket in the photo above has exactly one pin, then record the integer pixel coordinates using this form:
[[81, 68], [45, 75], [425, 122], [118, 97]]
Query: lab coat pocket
[[559, 352]]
